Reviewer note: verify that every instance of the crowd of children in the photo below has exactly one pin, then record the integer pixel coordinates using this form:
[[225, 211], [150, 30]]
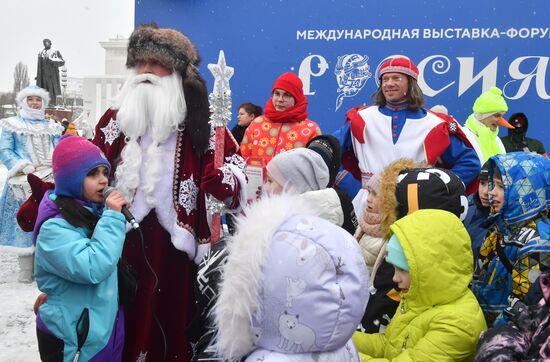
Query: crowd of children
[[411, 262], [425, 274]]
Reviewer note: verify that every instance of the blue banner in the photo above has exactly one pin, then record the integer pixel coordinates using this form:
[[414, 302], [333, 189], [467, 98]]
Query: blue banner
[[336, 47]]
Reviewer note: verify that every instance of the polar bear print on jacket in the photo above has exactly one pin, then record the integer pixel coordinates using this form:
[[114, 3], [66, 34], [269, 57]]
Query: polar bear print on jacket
[[294, 287], [305, 248], [295, 337]]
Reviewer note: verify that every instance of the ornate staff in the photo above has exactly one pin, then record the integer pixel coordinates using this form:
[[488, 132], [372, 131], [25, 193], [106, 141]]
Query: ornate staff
[[220, 116]]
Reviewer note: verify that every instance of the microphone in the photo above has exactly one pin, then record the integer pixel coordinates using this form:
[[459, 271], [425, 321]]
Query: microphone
[[127, 214]]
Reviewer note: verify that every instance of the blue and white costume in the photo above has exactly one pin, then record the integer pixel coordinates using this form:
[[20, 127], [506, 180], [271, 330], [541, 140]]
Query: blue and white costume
[[26, 143]]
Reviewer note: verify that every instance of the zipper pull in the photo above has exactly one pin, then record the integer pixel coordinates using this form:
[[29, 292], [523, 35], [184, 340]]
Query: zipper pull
[[76, 356], [404, 346], [402, 308]]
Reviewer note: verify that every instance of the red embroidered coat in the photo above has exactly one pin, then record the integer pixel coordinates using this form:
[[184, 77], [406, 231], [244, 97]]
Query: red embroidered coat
[[188, 199], [166, 296]]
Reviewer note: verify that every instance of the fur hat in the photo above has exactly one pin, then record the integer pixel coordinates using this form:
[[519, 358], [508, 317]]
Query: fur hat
[[174, 51], [329, 148], [33, 90], [72, 159], [399, 65]]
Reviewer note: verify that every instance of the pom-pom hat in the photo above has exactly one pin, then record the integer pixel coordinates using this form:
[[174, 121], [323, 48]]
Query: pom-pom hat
[[489, 103], [399, 65], [72, 159]]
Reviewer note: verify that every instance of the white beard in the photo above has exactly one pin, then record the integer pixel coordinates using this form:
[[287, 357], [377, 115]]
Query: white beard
[[157, 108]]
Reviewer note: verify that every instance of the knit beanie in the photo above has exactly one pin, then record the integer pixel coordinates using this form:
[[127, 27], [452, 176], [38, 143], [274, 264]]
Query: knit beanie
[[489, 103], [430, 188], [72, 159], [396, 255], [399, 65], [290, 83], [484, 173], [299, 170], [374, 182], [328, 147]]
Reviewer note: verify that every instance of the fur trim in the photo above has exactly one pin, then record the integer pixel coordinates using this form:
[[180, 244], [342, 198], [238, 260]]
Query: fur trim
[[388, 200], [173, 50], [21, 126], [19, 165], [241, 278], [33, 91]]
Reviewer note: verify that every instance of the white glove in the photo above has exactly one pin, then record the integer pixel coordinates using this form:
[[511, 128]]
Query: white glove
[[28, 169], [202, 250]]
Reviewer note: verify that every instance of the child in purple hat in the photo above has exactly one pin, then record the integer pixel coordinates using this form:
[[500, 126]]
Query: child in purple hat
[[78, 245]]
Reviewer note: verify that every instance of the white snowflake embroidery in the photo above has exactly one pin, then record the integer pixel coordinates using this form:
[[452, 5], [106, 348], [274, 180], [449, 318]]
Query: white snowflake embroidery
[[452, 127], [212, 139], [111, 131], [142, 357], [236, 160], [188, 195], [228, 178]]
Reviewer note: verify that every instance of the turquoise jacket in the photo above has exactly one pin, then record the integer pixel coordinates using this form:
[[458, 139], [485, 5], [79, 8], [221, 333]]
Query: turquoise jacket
[[78, 269]]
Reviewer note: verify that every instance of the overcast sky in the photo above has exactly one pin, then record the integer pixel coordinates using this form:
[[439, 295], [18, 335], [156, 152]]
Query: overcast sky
[[74, 26]]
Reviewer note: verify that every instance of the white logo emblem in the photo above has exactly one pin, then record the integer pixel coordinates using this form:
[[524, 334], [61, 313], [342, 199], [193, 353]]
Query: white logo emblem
[[352, 72]]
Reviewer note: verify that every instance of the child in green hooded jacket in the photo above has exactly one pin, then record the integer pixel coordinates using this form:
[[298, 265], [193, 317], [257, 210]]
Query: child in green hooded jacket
[[438, 318]]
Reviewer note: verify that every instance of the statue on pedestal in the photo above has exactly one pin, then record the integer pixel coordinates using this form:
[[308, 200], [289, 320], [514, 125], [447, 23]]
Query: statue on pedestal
[[47, 77]]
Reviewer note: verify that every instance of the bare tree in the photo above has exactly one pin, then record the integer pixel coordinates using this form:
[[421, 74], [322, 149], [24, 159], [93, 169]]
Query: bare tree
[[20, 77]]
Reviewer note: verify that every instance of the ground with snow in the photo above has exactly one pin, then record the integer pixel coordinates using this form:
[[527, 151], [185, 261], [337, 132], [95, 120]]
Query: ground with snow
[[17, 327]]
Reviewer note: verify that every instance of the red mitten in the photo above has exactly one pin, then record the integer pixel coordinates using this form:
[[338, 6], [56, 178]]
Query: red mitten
[[27, 213], [219, 183]]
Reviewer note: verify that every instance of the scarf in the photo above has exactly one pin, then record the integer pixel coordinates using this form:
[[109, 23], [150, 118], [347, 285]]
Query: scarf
[[30, 113], [487, 138], [295, 114], [370, 224]]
